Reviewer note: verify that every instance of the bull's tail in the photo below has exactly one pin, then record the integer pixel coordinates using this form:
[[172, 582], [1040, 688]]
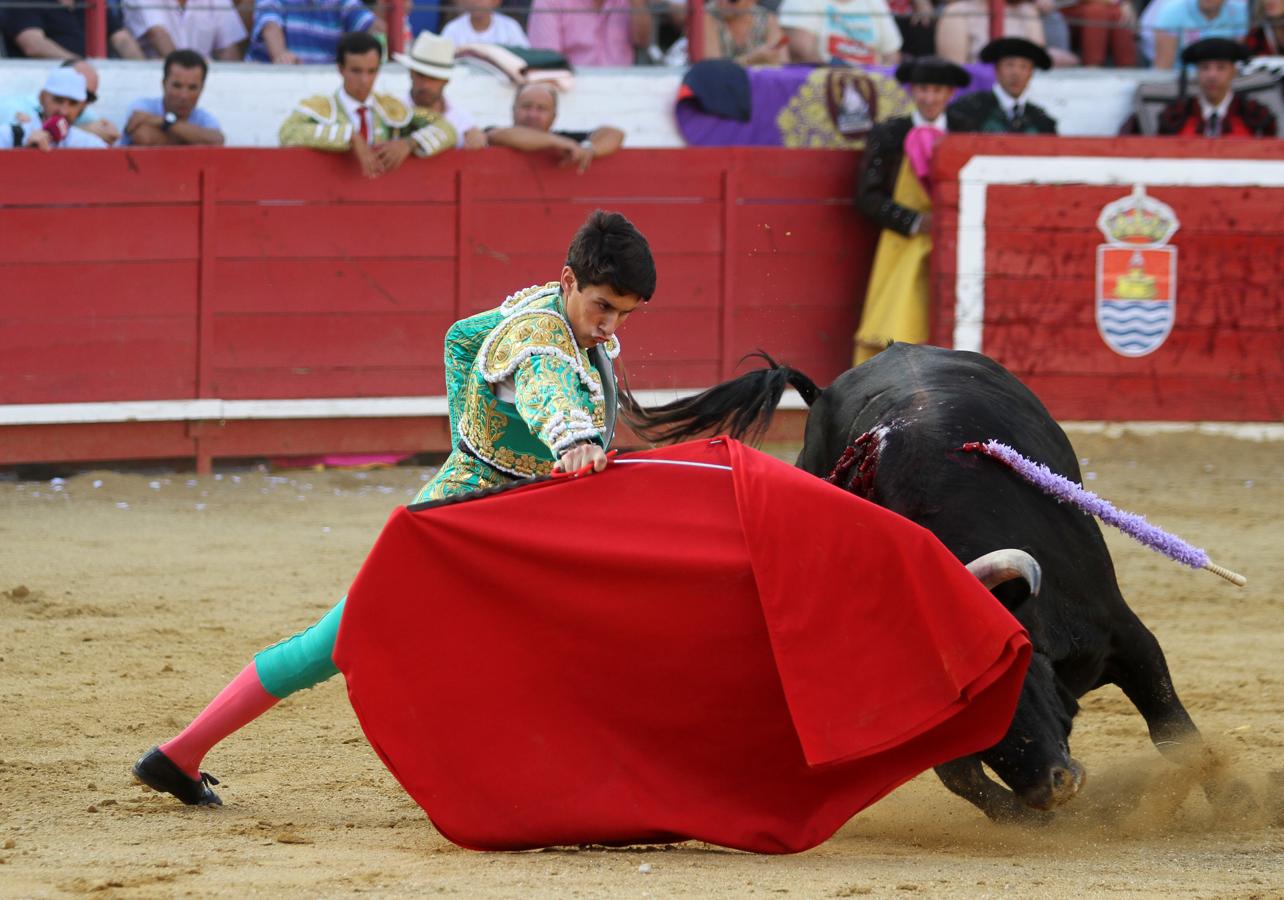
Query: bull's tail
[[741, 407]]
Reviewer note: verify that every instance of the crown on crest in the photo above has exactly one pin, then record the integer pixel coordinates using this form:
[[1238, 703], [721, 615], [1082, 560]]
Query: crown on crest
[[1138, 219]]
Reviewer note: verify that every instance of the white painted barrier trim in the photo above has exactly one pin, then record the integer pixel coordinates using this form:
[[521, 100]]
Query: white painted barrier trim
[[225, 410], [980, 172]]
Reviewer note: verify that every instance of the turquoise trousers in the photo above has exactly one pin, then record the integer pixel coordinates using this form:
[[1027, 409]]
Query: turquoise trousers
[[301, 661]]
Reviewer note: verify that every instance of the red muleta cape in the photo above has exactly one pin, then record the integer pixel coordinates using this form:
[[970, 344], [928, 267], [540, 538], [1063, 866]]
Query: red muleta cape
[[735, 652]]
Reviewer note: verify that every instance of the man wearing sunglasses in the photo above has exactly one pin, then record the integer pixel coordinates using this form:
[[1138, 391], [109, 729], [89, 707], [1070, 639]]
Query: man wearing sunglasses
[[19, 108]]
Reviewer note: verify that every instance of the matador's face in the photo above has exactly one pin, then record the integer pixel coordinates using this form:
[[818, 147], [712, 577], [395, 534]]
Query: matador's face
[[595, 311]]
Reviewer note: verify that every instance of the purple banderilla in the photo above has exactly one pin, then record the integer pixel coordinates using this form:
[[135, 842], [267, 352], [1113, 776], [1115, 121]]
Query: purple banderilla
[[1066, 491]]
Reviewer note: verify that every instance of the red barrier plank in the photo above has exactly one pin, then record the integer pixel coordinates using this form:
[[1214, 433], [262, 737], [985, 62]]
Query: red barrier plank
[[308, 437], [1027, 347], [78, 177], [317, 177], [100, 233], [337, 287], [1199, 210], [292, 382], [1172, 397], [56, 292], [319, 341], [684, 279], [817, 340], [342, 231], [542, 228], [94, 443], [811, 228], [88, 359], [613, 183], [830, 280], [789, 174]]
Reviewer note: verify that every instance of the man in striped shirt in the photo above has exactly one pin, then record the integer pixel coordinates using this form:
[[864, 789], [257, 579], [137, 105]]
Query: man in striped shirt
[[305, 31]]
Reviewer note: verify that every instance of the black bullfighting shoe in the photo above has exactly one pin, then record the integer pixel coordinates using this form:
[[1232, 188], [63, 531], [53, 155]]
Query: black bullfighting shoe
[[158, 772]]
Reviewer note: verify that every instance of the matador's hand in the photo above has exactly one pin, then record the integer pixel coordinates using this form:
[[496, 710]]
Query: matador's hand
[[581, 455]]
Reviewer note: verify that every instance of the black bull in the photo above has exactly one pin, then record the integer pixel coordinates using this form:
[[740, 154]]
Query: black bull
[[906, 414]]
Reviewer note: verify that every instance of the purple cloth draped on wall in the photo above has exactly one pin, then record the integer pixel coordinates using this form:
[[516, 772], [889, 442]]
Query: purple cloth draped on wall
[[788, 108]]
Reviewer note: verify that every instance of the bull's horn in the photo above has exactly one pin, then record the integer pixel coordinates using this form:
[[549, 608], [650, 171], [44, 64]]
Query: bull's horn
[[998, 566]]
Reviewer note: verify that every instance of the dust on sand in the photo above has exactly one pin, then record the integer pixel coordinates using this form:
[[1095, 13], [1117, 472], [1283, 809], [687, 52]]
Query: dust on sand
[[130, 599]]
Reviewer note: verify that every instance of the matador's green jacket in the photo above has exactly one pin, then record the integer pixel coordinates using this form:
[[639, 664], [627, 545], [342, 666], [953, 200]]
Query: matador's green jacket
[[520, 393]]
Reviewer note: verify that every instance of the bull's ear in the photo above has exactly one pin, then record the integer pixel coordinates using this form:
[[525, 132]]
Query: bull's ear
[[1013, 576]]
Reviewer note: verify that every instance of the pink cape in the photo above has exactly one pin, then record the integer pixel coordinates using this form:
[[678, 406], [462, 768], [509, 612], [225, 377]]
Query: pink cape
[[736, 652]]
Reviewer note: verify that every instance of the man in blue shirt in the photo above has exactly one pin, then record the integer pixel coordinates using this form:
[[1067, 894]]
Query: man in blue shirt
[[305, 31], [173, 118], [1180, 23]]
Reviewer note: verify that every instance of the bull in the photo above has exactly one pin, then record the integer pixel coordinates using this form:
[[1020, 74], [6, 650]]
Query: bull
[[892, 430]]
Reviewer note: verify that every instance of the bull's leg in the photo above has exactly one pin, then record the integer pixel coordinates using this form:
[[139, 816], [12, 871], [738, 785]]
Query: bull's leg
[[966, 778], [1139, 669]]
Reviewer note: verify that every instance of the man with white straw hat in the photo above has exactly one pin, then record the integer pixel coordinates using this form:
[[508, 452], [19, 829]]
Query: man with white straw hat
[[61, 100], [378, 129], [431, 62]]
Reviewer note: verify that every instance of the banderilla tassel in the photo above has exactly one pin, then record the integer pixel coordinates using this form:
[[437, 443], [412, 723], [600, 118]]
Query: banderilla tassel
[[1063, 490]]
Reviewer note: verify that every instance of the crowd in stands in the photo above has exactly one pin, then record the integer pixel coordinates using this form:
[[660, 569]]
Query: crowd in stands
[[381, 131]]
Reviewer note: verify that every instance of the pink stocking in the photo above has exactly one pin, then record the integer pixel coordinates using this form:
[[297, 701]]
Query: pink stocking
[[238, 704]]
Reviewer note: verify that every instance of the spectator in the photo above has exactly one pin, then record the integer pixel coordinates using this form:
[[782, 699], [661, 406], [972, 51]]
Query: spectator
[[1007, 108], [591, 32], [377, 129], [964, 28], [174, 118], [892, 190], [1215, 111], [1102, 23], [28, 105], [62, 100], [431, 61], [212, 28], [1267, 35], [534, 109], [1180, 23], [480, 24], [744, 31], [916, 20], [55, 29], [289, 32], [841, 32]]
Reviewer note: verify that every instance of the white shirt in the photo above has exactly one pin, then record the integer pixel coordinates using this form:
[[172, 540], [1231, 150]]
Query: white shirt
[[1205, 108], [503, 30], [938, 123], [1007, 102], [460, 119], [350, 106], [200, 25]]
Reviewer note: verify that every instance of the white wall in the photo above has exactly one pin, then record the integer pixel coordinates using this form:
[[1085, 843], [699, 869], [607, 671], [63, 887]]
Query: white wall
[[251, 100]]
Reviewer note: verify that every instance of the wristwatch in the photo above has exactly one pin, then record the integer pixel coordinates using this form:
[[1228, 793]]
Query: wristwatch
[[170, 119]]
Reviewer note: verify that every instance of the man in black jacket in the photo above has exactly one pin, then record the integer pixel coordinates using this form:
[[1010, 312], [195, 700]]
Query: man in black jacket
[[1007, 109], [1215, 110], [890, 190]]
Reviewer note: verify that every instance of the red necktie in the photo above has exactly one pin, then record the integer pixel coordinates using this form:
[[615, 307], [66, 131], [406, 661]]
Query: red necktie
[[365, 124]]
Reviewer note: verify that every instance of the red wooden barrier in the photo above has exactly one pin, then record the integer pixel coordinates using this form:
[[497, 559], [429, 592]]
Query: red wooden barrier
[[225, 276], [1024, 212]]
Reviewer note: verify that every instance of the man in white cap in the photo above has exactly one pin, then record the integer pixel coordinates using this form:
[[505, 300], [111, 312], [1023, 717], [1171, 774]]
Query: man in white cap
[[61, 101], [431, 61], [23, 107], [378, 129]]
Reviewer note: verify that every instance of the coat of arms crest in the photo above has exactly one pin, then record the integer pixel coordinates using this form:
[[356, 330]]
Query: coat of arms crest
[[1136, 274]]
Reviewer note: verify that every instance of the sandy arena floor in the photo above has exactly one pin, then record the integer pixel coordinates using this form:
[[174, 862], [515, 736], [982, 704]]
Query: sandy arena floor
[[129, 599]]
